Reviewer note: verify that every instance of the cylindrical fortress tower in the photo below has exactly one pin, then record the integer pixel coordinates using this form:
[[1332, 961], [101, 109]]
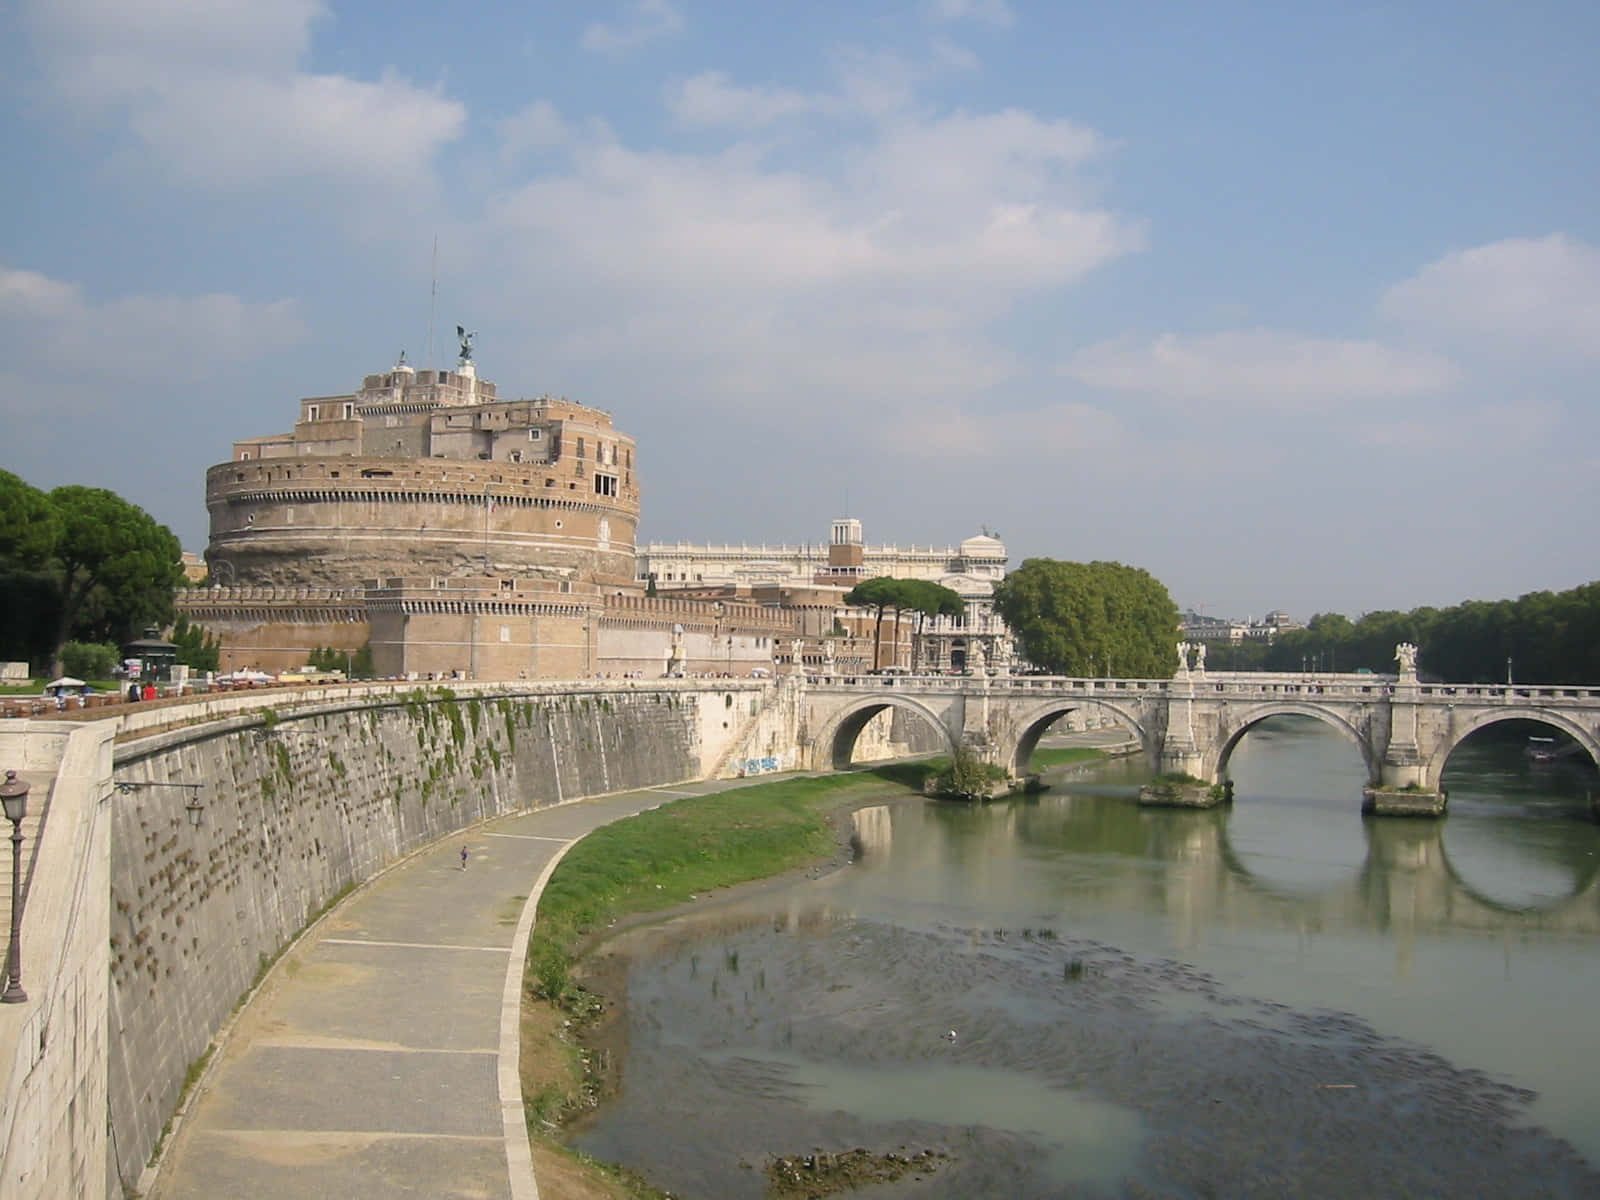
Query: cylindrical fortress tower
[[428, 473]]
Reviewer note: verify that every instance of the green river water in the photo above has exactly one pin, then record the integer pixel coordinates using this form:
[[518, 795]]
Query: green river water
[[1069, 995]]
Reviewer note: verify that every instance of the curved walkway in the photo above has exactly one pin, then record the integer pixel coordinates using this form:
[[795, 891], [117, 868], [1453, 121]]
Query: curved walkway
[[376, 1060]]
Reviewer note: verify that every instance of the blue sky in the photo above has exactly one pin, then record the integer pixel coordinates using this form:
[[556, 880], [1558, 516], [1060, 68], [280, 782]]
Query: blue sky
[[1296, 306]]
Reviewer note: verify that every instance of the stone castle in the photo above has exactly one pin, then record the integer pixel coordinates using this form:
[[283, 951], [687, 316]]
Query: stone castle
[[461, 535]]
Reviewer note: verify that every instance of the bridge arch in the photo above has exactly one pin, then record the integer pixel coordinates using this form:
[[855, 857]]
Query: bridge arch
[[1032, 722], [830, 748], [1483, 718], [1216, 761]]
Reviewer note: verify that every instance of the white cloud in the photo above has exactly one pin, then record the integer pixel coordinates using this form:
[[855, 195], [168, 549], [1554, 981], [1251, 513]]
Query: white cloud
[[1529, 293], [642, 22], [214, 89], [948, 432], [110, 50], [537, 127], [729, 279], [709, 99], [48, 324], [966, 164], [966, 212], [986, 12], [1261, 368]]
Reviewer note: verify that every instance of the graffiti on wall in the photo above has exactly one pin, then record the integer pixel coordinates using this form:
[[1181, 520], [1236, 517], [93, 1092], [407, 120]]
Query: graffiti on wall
[[758, 766]]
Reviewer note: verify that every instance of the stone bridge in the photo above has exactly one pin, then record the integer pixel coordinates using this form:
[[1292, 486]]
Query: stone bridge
[[1190, 724]]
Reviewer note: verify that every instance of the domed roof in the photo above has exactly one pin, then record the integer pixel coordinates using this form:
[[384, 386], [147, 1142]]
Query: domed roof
[[983, 546]]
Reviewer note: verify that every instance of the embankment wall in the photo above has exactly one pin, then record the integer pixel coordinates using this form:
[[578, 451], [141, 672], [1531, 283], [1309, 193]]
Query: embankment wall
[[180, 860]]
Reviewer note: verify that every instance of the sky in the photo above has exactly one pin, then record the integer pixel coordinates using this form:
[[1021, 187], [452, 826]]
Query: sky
[[1296, 306]]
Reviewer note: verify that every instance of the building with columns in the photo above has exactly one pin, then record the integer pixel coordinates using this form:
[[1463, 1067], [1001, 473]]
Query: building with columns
[[816, 576]]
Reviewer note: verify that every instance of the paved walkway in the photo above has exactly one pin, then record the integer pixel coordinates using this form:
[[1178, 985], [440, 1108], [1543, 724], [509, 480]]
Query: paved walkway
[[376, 1061]]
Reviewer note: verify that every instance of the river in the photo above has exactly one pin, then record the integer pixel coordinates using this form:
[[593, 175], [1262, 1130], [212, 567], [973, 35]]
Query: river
[[1068, 995]]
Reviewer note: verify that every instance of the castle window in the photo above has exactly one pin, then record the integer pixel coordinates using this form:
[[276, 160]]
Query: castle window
[[534, 434], [349, 411], [605, 485], [505, 633], [580, 447], [311, 412]]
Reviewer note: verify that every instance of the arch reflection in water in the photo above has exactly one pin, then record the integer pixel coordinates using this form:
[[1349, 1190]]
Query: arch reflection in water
[[1297, 785], [1520, 834]]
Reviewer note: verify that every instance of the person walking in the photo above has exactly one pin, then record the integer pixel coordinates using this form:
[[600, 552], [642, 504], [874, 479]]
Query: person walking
[[463, 858]]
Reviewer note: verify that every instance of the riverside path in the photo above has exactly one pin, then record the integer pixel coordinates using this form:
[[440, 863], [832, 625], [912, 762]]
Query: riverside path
[[379, 1057]]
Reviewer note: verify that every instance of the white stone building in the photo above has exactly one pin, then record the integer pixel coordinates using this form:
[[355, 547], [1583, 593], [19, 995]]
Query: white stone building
[[947, 643]]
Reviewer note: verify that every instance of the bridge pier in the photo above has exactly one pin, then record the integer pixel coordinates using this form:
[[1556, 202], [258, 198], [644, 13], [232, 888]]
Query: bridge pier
[[1403, 788], [1180, 752]]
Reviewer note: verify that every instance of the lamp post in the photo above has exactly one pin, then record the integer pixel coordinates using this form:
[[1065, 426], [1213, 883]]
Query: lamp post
[[14, 796]]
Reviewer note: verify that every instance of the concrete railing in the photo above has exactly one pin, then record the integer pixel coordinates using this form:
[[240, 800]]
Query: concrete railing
[[1252, 686], [54, 1045]]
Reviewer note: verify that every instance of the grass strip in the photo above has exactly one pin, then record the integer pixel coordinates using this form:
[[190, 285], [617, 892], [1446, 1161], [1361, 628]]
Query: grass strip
[[1055, 756], [667, 856]]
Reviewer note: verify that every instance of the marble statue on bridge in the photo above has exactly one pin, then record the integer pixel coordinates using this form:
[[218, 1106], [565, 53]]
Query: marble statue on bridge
[[1406, 655]]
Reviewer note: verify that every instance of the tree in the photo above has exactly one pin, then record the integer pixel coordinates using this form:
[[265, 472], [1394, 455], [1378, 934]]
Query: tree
[[197, 649], [886, 593], [929, 599], [28, 531], [89, 660], [115, 566], [28, 524], [1091, 618], [880, 593]]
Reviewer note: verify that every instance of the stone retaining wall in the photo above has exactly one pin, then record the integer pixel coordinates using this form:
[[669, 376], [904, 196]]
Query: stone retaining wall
[[299, 798]]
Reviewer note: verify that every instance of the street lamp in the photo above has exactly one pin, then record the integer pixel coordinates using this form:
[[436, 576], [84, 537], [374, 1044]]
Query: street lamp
[[194, 809], [14, 795]]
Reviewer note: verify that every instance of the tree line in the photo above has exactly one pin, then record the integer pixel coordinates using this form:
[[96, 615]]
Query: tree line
[[80, 566], [918, 598], [1542, 637]]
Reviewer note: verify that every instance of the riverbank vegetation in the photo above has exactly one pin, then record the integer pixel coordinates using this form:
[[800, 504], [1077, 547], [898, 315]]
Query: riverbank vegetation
[[648, 863], [968, 777], [669, 855], [1059, 756], [1542, 637]]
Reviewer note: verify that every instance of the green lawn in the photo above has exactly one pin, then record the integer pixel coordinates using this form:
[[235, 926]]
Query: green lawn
[[36, 687], [1057, 755], [662, 858]]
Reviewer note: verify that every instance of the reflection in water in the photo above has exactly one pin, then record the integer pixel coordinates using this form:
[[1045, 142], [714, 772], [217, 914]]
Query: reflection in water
[[1284, 830], [1202, 974], [1516, 833]]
